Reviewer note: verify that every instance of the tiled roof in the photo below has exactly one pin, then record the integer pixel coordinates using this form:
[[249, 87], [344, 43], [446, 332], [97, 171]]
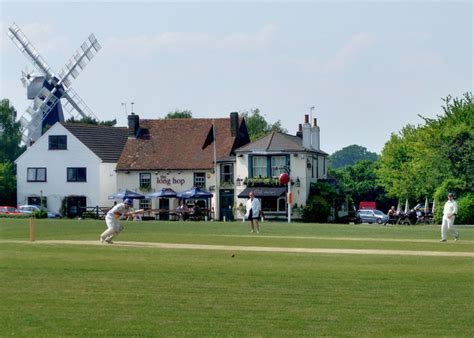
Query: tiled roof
[[106, 142], [180, 144], [277, 142]]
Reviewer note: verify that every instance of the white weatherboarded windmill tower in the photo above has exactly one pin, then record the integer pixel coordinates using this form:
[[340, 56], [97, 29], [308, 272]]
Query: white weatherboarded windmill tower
[[48, 88]]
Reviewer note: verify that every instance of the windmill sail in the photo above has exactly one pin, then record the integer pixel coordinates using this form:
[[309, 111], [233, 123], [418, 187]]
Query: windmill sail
[[47, 89]]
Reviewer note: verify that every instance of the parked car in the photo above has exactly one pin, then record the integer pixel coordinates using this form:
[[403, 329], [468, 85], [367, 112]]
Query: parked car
[[29, 209], [371, 216], [7, 210]]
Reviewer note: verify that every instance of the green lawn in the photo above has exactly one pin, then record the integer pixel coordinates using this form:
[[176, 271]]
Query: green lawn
[[90, 290]]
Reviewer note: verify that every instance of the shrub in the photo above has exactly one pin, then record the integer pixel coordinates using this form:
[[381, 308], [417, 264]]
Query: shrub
[[316, 210], [40, 214], [466, 209]]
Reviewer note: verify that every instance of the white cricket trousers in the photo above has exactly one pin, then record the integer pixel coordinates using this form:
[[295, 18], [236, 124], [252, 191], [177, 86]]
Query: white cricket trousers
[[113, 228], [448, 223]]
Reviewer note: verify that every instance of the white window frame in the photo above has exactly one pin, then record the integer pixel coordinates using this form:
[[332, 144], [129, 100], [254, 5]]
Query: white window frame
[[278, 167], [258, 168], [199, 180], [145, 180], [144, 203]]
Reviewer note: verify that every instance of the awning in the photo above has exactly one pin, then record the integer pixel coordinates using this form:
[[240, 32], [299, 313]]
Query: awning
[[263, 192]]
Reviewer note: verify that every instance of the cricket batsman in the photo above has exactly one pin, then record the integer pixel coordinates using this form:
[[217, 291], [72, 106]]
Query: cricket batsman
[[111, 219]]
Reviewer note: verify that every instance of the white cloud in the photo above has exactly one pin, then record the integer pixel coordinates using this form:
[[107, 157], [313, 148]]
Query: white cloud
[[348, 53], [262, 38], [149, 45]]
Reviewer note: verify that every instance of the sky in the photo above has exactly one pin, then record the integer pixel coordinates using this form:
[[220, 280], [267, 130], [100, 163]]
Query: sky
[[367, 67]]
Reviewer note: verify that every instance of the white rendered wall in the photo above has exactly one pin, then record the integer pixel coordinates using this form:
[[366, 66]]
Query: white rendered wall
[[108, 183], [56, 163]]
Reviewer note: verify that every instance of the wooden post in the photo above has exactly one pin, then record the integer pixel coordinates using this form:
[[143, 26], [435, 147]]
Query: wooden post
[[32, 229]]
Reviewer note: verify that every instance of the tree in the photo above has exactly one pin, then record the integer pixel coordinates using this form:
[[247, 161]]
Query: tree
[[257, 126], [394, 171], [10, 133], [179, 114], [433, 158], [7, 184], [91, 120], [350, 155], [10, 149], [360, 180]]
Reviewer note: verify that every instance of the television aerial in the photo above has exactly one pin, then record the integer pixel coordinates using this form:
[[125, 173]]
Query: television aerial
[[47, 88]]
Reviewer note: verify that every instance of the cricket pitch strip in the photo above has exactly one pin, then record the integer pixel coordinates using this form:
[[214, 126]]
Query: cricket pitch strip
[[238, 248]]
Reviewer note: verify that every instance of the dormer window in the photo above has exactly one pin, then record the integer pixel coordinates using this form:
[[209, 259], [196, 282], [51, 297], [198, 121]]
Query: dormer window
[[57, 142]]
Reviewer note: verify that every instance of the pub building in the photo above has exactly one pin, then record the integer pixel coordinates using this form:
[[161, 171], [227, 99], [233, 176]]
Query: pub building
[[259, 164], [181, 154], [216, 156]]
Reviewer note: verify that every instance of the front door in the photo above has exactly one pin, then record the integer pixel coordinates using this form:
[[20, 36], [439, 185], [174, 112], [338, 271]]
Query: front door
[[164, 206], [76, 205], [226, 204]]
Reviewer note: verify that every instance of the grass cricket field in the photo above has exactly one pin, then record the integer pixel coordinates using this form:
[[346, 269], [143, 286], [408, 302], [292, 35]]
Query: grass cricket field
[[214, 279]]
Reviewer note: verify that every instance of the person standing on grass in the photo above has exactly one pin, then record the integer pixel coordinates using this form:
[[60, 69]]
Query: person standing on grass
[[111, 219], [449, 214], [253, 212]]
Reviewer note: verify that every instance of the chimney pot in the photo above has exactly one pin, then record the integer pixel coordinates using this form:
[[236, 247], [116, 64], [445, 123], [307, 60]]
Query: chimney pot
[[299, 133], [306, 118], [315, 122]]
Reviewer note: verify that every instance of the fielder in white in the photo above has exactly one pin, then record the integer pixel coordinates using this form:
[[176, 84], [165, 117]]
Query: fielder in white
[[111, 219], [253, 212], [449, 214]]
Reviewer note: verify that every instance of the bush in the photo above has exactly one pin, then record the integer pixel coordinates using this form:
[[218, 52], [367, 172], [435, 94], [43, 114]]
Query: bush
[[40, 214], [466, 209], [316, 210]]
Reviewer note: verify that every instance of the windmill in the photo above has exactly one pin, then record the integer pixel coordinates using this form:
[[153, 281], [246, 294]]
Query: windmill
[[46, 89]]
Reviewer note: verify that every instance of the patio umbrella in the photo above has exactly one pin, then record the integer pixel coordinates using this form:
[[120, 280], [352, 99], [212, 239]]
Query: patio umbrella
[[163, 193], [399, 207], [426, 205], [194, 193], [121, 195], [406, 206], [433, 207]]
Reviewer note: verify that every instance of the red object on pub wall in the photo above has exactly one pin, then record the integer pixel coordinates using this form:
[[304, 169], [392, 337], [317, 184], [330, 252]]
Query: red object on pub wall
[[284, 178]]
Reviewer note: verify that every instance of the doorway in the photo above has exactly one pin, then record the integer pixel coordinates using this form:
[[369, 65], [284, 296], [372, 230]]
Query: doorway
[[226, 204], [164, 206], [76, 205]]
